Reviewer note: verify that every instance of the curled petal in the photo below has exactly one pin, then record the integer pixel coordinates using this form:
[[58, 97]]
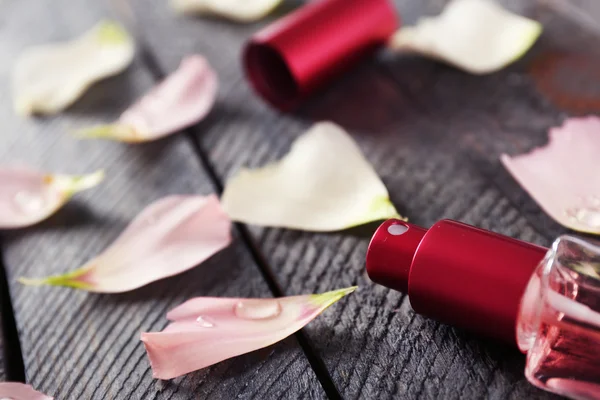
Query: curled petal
[[206, 330], [49, 78], [323, 184], [168, 237], [20, 391], [478, 36], [241, 11], [562, 177], [28, 196], [183, 99]]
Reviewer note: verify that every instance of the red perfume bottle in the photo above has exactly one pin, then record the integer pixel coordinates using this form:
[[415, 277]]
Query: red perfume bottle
[[545, 301]]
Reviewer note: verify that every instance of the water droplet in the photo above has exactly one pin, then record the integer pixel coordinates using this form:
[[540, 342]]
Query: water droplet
[[586, 216], [397, 229], [257, 309], [6, 398], [205, 322], [28, 202]]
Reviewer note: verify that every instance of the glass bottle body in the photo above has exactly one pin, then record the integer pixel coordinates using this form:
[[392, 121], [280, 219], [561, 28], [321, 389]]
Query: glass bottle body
[[559, 321]]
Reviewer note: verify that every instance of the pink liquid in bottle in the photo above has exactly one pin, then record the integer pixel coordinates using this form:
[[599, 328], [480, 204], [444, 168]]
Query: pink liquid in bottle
[[559, 321]]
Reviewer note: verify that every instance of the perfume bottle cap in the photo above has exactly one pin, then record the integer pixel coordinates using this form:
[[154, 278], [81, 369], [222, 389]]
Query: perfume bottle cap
[[458, 274], [290, 59]]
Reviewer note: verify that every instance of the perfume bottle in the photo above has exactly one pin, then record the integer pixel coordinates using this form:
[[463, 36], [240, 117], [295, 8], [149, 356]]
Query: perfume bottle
[[545, 301]]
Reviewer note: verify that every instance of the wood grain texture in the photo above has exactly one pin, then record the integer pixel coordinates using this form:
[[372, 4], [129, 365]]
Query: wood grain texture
[[504, 112], [434, 134], [11, 359], [78, 345], [4, 312], [7, 333]]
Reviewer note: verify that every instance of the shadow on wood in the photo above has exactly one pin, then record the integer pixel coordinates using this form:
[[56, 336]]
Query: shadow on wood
[[11, 357]]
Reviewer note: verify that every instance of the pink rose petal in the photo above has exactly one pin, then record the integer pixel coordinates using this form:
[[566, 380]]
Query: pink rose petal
[[183, 99], [206, 330], [563, 177], [167, 238], [28, 196], [20, 391]]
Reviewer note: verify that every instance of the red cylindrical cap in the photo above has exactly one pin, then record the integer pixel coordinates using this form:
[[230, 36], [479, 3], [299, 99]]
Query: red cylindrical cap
[[400, 239], [458, 274], [291, 58]]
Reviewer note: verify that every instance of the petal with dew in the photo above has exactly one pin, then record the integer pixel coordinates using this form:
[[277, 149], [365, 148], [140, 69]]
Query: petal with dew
[[49, 78], [236, 10], [562, 177], [20, 391], [478, 36], [206, 330], [323, 184], [170, 236], [183, 99], [28, 196]]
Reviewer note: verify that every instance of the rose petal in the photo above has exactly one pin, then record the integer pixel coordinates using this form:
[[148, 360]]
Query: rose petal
[[323, 184], [591, 269], [206, 330], [236, 10], [20, 391], [28, 196], [167, 238], [562, 177], [49, 78], [478, 36], [183, 99]]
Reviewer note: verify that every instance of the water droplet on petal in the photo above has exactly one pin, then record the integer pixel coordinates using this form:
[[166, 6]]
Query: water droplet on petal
[[28, 202], [257, 309], [586, 216], [205, 322]]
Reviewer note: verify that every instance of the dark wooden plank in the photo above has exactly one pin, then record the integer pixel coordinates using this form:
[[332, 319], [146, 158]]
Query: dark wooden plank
[[79, 345], [434, 134], [11, 360], [5, 311], [7, 335], [504, 112]]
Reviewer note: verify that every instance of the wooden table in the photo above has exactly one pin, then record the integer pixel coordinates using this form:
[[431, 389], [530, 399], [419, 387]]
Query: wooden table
[[433, 133]]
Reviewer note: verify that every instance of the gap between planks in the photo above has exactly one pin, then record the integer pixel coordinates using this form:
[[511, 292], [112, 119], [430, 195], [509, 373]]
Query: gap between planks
[[316, 362], [11, 355]]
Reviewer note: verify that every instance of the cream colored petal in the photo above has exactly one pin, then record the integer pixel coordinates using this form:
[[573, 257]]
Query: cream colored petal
[[236, 10], [49, 78], [323, 184], [478, 36]]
